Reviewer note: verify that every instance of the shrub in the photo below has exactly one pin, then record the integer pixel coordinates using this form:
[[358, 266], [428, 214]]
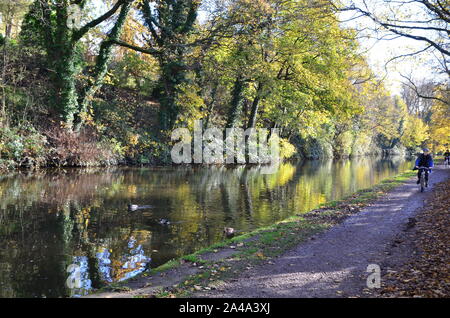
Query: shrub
[[342, 145], [364, 145], [79, 148], [287, 150], [22, 145], [315, 148]]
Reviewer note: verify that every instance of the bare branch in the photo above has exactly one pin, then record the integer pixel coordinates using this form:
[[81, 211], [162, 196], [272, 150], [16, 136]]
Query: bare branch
[[136, 48], [413, 86], [83, 30]]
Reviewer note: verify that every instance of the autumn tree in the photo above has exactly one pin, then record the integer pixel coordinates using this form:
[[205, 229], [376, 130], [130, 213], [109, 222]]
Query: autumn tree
[[11, 13], [417, 105], [440, 122], [51, 25], [169, 26]]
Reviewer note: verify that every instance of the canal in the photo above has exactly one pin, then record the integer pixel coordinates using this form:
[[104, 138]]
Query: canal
[[66, 232]]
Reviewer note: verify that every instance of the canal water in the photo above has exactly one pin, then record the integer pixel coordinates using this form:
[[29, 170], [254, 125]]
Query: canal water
[[66, 232]]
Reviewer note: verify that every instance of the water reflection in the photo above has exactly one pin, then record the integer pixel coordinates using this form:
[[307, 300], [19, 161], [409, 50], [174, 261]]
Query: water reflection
[[78, 280], [60, 226], [134, 263], [104, 264]]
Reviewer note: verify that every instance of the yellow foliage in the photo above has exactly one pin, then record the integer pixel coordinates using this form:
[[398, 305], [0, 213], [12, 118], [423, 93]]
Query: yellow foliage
[[415, 132], [440, 127], [133, 139]]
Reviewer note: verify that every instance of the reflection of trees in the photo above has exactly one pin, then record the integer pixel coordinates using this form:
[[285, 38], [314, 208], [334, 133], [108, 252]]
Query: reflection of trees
[[44, 232], [128, 253], [50, 220], [55, 188], [102, 264], [336, 179], [201, 201], [247, 197], [78, 281], [134, 263], [32, 257]]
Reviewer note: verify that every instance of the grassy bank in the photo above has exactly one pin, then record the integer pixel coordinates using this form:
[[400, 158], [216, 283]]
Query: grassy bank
[[206, 268]]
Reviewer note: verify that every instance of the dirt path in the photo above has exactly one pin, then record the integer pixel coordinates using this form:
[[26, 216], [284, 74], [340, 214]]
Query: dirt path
[[334, 264]]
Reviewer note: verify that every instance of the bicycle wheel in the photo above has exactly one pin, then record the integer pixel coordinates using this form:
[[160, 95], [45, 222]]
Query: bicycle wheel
[[422, 182]]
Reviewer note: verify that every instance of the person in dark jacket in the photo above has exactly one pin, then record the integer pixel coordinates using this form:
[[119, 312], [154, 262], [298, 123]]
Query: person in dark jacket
[[424, 160], [447, 156]]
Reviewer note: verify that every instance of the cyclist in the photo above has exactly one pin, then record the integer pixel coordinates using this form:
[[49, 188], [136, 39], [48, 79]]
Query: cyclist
[[447, 157], [424, 160]]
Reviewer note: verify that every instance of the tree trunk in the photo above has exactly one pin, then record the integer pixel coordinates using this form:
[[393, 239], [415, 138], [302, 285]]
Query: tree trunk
[[65, 99], [255, 105], [236, 102], [101, 67], [173, 74], [211, 106]]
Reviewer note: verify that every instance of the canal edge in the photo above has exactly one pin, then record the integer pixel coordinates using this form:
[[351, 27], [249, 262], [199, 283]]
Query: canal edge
[[206, 268]]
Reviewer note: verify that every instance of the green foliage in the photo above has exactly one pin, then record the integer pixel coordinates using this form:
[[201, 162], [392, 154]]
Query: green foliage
[[170, 25], [414, 133], [135, 71], [153, 66], [287, 150], [314, 148], [364, 144], [22, 145], [188, 95], [47, 26], [343, 145]]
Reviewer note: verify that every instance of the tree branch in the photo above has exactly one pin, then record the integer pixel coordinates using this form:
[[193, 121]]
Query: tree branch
[[393, 29], [136, 48], [83, 30], [416, 90]]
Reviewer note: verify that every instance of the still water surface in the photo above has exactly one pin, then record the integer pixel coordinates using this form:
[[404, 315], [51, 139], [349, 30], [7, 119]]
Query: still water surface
[[65, 232]]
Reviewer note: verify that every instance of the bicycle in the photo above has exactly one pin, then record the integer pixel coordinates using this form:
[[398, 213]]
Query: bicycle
[[423, 183]]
